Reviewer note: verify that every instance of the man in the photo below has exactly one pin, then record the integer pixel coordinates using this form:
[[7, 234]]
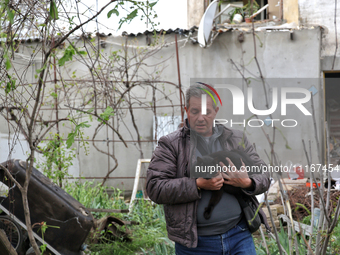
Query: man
[[184, 198]]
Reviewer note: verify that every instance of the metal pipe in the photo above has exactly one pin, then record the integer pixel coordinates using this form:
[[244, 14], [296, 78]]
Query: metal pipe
[[99, 108], [179, 81], [226, 8], [104, 141], [259, 11], [96, 178]]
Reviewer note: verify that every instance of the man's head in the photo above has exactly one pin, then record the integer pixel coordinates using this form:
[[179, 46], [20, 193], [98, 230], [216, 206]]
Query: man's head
[[202, 124]]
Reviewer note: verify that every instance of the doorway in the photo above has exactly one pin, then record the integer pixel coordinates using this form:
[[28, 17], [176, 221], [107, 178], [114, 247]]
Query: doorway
[[332, 114]]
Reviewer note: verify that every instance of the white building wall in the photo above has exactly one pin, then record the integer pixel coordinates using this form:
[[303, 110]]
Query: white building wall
[[279, 57], [321, 12]]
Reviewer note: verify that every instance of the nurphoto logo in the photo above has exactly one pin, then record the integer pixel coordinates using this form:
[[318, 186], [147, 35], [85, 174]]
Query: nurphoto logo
[[238, 101]]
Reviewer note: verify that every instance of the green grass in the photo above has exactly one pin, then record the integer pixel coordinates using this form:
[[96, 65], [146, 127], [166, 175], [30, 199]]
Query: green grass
[[149, 237]]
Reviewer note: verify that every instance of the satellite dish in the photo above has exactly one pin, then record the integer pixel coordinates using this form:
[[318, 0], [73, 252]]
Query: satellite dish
[[204, 30]]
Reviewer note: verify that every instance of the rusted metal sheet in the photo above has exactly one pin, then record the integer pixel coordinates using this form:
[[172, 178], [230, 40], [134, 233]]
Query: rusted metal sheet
[[51, 204]]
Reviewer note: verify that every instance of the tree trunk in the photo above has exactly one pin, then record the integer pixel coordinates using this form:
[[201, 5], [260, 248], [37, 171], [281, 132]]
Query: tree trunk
[[28, 222]]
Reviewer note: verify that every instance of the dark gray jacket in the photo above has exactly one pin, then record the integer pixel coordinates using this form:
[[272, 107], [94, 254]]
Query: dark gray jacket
[[169, 183]]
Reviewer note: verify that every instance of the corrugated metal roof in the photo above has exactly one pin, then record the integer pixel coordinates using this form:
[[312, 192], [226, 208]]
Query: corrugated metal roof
[[90, 35], [161, 31], [221, 28], [23, 40]]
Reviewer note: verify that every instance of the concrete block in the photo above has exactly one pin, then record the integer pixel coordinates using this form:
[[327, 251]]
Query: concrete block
[[276, 223], [272, 198], [273, 191], [273, 211], [279, 208], [275, 185]]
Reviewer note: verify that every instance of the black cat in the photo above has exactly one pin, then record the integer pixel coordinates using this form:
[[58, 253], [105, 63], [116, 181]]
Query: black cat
[[213, 160]]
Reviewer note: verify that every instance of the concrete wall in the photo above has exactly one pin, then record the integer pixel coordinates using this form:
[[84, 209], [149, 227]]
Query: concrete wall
[[303, 12], [195, 12], [280, 59], [283, 63], [321, 13], [291, 11]]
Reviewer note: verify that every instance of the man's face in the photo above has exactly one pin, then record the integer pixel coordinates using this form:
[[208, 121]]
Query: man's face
[[202, 124]]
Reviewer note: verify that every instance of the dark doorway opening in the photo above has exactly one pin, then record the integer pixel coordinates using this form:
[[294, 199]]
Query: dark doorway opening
[[332, 103]]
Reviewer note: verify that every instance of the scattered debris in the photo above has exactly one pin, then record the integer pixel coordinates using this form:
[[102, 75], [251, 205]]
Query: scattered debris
[[298, 195], [334, 147], [109, 229]]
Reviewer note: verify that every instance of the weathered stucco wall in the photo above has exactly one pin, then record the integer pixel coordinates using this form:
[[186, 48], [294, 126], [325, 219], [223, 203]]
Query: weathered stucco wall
[[195, 12], [291, 11], [313, 12], [280, 59]]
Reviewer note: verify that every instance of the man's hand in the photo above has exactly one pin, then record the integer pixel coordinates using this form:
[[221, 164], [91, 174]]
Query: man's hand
[[215, 183], [236, 177]]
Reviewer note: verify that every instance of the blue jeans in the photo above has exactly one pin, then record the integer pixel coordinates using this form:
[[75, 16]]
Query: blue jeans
[[237, 240]]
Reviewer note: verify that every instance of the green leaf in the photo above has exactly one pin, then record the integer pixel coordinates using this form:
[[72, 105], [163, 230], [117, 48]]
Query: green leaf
[[83, 125], [10, 85], [70, 139], [41, 69], [132, 15], [287, 147], [112, 11], [11, 16], [90, 110], [54, 95], [106, 114], [68, 54], [8, 63], [74, 133], [303, 206], [53, 10], [82, 52], [152, 4]]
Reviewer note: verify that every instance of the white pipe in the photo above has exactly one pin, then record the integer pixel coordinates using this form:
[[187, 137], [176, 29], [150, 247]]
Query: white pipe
[[259, 11], [227, 7]]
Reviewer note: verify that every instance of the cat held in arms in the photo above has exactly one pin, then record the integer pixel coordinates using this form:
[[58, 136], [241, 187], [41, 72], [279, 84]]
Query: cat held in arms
[[211, 161]]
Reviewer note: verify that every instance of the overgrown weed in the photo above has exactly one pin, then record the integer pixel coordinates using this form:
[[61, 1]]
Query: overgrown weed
[[149, 237]]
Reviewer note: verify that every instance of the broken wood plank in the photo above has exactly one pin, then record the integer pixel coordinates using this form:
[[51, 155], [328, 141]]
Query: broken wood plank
[[298, 226]]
